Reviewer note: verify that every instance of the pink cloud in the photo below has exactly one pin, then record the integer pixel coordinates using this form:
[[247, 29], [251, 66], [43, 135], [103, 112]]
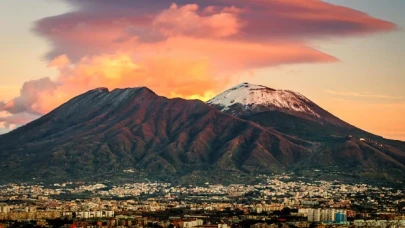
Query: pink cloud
[[235, 56], [29, 97], [190, 49], [4, 113], [311, 19], [10, 122], [186, 21], [18, 119], [97, 25]]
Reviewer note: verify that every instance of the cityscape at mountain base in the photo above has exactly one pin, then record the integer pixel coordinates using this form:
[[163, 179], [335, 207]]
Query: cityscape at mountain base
[[278, 201]]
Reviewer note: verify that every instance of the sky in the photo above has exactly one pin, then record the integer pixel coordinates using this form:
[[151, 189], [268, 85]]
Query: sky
[[347, 56]]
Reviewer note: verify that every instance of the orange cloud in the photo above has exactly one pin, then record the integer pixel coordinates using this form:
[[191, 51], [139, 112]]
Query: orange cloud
[[197, 69], [190, 49], [172, 77], [59, 62]]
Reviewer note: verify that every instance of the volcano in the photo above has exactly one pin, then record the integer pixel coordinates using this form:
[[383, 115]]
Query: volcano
[[245, 131]]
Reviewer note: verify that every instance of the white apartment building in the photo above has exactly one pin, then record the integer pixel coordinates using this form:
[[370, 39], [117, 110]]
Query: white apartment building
[[324, 215], [4, 209], [192, 223], [94, 214]]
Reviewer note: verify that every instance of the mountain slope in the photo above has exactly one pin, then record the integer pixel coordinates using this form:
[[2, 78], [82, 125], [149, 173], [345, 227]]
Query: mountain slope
[[102, 133], [135, 134], [342, 147]]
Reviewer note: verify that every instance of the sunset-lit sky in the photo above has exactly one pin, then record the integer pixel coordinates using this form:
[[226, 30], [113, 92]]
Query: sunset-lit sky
[[347, 56]]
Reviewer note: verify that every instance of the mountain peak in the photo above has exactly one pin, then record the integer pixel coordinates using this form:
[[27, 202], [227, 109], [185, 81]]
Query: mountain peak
[[106, 90], [246, 85], [251, 96], [101, 89], [102, 98]]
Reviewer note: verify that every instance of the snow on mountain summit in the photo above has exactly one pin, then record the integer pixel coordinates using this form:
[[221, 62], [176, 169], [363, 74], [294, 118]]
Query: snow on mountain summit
[[251, 96]]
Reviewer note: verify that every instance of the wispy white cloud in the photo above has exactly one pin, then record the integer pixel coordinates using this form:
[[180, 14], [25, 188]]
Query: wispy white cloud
[[364, 95]]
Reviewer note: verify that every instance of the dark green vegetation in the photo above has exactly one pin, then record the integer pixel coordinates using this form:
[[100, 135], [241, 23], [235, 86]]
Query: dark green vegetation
[[133, 134]]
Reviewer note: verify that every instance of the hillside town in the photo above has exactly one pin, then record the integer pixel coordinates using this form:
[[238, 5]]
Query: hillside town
[[279, 201]]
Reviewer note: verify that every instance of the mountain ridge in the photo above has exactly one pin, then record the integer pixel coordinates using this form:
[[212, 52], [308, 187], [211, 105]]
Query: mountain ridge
[[100, 133], [134, 128], [337, 138]]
